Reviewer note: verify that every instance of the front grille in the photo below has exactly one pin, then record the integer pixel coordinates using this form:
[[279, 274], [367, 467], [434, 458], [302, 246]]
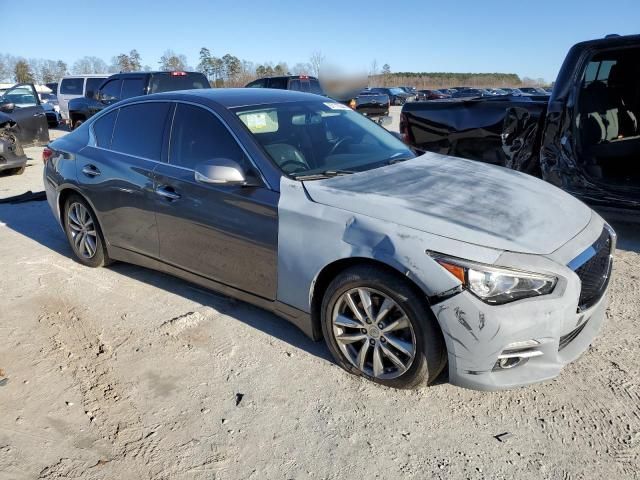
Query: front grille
[[595, 272], [570, 337]]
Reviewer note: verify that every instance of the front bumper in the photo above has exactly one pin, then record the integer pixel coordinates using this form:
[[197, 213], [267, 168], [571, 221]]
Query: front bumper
[[478, 335]]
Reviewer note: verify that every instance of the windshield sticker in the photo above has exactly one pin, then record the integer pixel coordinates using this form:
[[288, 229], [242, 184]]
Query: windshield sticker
[[336, 106], [264, 121]]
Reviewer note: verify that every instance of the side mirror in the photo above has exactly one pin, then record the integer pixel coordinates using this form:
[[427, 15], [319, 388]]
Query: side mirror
[[384, 121], [220, 171], [7, 107]]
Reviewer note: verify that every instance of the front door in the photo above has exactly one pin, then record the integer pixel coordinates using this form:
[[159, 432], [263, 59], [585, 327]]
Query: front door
[[22, 104], [228, 234]]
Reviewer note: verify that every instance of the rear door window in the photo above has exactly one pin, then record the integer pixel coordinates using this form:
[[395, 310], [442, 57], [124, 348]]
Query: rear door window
[[103, 129], [132, 87], [71, 86], [198, 135], [139, 130]]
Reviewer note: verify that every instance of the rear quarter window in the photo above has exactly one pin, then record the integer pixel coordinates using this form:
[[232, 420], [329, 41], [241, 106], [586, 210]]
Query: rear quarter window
[[71, 86], [103, 129]]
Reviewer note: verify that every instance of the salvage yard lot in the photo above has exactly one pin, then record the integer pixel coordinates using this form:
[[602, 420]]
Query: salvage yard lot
[[124, 372]]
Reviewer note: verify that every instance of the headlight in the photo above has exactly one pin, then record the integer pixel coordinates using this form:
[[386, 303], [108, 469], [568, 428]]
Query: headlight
[[496, 285]]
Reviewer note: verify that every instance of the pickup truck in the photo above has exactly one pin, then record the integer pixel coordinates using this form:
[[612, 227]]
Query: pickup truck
[[585, 138], [131, 84], [370, 104]]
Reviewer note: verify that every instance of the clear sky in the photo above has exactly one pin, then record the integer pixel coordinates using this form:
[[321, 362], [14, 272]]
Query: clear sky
[[528, 38]]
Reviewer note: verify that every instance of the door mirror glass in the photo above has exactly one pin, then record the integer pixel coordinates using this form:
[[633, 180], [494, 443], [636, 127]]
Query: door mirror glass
[[7, 107], [220, 171]]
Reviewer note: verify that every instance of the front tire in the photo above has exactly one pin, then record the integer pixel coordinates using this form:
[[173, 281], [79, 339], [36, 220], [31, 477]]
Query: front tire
[[84, 233], [378, 326]]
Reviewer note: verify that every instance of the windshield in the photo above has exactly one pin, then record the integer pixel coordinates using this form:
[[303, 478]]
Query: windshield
[[306, 138], [167, 82], [396, 91]]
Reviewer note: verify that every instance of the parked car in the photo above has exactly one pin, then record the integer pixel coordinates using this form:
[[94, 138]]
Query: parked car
[[53, 116], [370, 104], [431, 95], [533, 91], [77, 86], [12, 157], [397, 96], [469, 93], [299, 205], [22, 104], [298, 83], [132, 84], [53, 86], [584, 139]]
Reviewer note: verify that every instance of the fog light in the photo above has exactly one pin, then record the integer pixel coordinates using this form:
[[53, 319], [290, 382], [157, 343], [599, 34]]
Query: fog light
[[510, 362], [517, 354]]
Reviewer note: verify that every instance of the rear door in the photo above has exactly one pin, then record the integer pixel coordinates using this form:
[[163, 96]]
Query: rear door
[[28, 112], [117, 173], [225, 233]]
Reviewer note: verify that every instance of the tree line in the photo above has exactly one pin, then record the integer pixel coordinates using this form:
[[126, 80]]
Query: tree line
[[424, 80], [231, 71]]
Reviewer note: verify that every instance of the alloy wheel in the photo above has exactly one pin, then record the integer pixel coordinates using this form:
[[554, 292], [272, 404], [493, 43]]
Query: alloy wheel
[[374, 333], [82, 229]]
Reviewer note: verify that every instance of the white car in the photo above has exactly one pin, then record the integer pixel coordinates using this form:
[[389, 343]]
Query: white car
[[74, 86]]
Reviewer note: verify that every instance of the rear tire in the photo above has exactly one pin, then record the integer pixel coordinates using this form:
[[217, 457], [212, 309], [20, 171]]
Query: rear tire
[[409, 352], [17, 171], [84, 233]]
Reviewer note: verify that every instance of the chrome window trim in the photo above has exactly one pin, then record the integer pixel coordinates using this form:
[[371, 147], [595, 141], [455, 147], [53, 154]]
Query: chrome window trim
[[216, 114]]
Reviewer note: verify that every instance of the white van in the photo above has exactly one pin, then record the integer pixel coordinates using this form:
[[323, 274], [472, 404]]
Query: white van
[[74, 86]]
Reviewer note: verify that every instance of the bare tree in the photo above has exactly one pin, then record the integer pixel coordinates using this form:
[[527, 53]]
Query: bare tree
[[171, 61], [316, 60], [301, 69], [373, 71], [22, 72], [87, 65]]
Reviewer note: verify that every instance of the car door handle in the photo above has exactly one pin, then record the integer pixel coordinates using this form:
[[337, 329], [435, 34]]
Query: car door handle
[[41, 114], [90, 171], [168, 192]]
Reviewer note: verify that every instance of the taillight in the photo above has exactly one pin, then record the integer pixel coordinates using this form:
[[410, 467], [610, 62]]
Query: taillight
[[178, 74], [353, 103], [404, 129], [47, 153]]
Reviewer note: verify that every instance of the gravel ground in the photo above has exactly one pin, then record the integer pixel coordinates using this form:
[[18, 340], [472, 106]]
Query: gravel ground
[[123, 372]]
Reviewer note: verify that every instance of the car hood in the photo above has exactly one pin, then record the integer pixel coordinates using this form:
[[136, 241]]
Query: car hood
[[460, 199]]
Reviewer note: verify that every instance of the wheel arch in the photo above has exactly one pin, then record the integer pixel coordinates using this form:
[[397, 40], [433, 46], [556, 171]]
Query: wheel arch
[[335, 268], [64, 193]]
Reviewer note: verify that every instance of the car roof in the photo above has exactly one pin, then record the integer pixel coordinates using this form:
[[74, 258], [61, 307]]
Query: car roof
[[237, 97]]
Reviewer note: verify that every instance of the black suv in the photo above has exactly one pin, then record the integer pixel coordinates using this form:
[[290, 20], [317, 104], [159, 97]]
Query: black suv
[[125, 85], [299, 83]]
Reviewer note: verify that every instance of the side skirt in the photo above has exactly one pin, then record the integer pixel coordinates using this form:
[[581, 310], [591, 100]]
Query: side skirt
[[297, 317]]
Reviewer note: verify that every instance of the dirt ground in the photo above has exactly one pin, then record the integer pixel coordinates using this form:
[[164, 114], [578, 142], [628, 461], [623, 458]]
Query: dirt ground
[[126, 373]]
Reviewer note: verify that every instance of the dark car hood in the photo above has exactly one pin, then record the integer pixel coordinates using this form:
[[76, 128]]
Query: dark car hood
[[463, 200]]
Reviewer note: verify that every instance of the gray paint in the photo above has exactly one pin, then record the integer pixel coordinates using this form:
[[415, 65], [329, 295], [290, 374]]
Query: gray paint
[[463, 200], [394, 214]]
